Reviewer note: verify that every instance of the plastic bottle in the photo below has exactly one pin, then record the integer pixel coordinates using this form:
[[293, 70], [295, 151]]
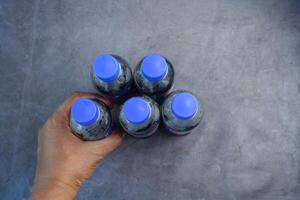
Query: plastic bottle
[[112, 76], [140, 116], [154, 76], [90, 119], [181, 112]]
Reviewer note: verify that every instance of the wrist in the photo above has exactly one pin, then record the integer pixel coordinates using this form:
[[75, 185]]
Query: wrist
[[52, 188]]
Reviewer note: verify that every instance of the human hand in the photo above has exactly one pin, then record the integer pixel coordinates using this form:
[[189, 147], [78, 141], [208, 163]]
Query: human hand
[[64, 161]]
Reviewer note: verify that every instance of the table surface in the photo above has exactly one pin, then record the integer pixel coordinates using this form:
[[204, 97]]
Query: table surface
[[242, 58]]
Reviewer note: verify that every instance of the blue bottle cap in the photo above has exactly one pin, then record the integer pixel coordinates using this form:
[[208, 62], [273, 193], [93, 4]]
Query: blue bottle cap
[[184, 105], [154, 67], [136, 110], [85, 112], [106, 68]]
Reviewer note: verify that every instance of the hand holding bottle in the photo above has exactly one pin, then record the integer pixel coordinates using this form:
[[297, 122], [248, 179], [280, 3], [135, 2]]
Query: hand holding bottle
[[65, 162]]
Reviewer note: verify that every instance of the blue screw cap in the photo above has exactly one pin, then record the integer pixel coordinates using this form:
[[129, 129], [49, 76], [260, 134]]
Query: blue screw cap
[[154, 67], [136, 110], [184, 105], [85, 112], [106, 68]]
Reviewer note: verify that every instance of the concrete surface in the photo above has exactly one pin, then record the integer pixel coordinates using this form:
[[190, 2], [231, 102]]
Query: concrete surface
[[241, 57]]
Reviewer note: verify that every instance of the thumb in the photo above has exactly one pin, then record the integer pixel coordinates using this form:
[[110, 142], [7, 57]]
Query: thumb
[[107, 145]]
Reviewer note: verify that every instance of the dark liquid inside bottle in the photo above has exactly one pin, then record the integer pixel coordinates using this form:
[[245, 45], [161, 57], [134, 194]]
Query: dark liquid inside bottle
[[154, 76], [181, 112], [90, 119], [140, 116], [112, 76]]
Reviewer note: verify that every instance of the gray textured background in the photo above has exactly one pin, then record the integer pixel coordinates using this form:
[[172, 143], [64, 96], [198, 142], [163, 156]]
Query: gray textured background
[[242, 58]]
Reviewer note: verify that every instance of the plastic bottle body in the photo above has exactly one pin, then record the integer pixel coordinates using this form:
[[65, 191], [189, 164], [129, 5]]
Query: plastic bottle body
[[150, 121], [154, 76], [119, 84], [98, 129], [190, 117]]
